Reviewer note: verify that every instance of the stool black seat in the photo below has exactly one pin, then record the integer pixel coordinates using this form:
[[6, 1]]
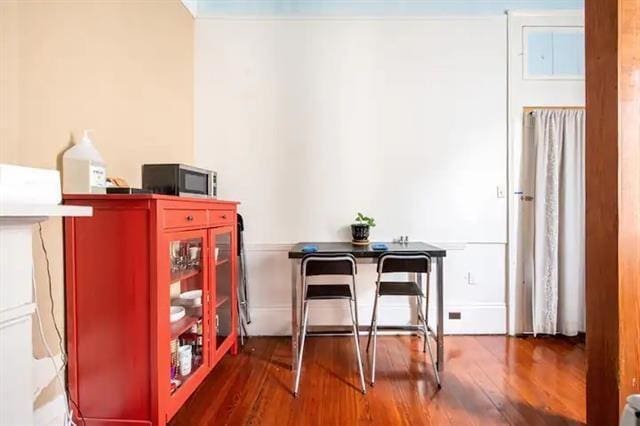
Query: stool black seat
[[329, 291], [402, 262], [400, 288], [329, 265]]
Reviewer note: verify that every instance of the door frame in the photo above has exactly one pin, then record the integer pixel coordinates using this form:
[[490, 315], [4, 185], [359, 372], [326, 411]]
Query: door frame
[[517, 101]]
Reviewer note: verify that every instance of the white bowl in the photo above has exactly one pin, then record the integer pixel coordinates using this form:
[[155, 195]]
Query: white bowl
[[191, 298], [177, 313]]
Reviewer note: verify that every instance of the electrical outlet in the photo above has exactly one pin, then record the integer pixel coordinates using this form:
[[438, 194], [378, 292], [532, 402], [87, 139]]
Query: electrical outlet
[[469, 278], [455, 315]]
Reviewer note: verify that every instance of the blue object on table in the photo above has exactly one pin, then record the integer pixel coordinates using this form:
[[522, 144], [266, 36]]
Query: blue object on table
[[309, 249], [379, 246]]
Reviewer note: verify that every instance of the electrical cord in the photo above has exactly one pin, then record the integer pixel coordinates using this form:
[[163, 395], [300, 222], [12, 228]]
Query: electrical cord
[[53, 316], [60, 369], [63, 354]]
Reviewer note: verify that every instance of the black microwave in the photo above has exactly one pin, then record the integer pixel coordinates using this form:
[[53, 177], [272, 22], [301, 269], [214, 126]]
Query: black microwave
[[179, 179]]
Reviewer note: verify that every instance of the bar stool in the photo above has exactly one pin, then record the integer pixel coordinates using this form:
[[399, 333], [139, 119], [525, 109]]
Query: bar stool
[[332, 265], [419, 263]]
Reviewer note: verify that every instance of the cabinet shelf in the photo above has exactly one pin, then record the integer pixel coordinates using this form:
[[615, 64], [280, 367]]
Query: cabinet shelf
[[182, 325], [222, 261], [184, 379], [185, 275], [221, 301]]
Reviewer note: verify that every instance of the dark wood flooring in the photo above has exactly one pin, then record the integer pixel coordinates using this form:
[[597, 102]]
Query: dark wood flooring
[[488, 380]]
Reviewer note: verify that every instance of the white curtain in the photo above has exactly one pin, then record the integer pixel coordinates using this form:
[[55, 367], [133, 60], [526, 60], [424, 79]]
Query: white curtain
[[557, 269]]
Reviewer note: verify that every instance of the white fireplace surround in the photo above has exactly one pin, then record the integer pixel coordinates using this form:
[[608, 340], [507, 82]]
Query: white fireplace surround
[[21, 376]]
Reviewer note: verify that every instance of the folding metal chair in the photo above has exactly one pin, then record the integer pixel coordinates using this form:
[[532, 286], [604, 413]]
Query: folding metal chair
[[243, 293]]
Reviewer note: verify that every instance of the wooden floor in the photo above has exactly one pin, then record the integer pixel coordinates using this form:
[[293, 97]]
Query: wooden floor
[[488, 380]]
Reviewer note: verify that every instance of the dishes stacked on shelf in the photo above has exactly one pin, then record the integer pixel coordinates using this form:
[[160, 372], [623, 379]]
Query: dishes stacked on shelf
[[177, 313], [187, 338], [186, 347], [191, 301], [185, 259], [186, 354]]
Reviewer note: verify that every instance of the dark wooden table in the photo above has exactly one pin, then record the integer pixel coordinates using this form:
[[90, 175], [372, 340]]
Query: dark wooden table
[[365, 254]]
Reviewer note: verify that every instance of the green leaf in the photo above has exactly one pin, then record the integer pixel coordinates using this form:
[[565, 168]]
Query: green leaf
[[365, 219]]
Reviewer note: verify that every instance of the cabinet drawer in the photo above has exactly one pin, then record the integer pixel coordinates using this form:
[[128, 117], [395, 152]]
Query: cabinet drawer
[[218, 217], [184, 218]]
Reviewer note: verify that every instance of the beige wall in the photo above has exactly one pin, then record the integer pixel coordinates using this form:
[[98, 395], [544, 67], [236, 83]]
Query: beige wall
[[121, 68]]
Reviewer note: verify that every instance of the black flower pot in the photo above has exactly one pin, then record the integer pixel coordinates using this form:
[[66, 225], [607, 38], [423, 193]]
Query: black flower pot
[[360, 232]]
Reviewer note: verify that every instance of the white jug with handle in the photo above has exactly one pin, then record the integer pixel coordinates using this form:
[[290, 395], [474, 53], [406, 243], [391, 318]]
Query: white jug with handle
[[83, 169]]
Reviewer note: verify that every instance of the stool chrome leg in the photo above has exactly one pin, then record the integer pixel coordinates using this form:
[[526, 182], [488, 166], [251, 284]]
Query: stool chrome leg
[[355, 303], [420, 323], [427, 344], [304, 335], [375, 341], [426, 308], [373, 319], [356, 337]]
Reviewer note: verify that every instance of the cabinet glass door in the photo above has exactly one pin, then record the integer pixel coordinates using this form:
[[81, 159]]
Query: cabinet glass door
[[223, 258], [187, 295]]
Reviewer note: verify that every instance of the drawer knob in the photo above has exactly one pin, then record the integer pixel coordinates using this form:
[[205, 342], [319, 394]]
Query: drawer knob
[[189, 218], [224, 216]]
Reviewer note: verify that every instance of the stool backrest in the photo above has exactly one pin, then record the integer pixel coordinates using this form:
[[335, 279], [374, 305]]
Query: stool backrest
[[418, 262], [328, 264]]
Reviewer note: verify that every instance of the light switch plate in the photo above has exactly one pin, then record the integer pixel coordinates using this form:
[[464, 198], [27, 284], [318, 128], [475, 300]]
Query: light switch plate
[[469, 277]]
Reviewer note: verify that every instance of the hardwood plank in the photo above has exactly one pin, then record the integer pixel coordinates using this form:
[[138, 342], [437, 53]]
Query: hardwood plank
[[543, 385], [488, 380]]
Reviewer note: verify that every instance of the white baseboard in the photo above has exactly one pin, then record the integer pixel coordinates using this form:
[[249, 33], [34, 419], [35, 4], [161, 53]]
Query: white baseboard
[[475, 319]]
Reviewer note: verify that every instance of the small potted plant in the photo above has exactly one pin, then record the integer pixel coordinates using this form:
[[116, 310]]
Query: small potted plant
[[360, 229]]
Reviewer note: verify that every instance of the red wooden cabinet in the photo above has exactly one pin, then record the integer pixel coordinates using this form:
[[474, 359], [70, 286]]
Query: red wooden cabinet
[[125, 268]]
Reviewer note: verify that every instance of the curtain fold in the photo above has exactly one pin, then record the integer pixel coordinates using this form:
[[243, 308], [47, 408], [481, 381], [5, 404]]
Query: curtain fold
[[558, 222]]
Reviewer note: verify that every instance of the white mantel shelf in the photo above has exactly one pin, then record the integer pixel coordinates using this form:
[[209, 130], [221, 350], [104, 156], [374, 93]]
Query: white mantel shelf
[[42, 210]]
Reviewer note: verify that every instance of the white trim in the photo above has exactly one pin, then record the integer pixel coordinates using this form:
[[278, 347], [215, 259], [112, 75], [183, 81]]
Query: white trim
[[427, 16], [268, 246], [44, 372], [545, 13], [285, 247], [510, 293], [364, 18], [51, 413], [514, 21], [19, 211], [191, 6], [16, 314]]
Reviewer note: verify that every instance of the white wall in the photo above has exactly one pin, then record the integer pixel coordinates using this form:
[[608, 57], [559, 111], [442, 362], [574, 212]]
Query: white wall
[[524, 92], [308, 121]]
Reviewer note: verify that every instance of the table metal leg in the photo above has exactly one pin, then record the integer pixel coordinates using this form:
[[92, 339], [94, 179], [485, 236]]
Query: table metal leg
[[419, 282], [440, 337], [295, 327]]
